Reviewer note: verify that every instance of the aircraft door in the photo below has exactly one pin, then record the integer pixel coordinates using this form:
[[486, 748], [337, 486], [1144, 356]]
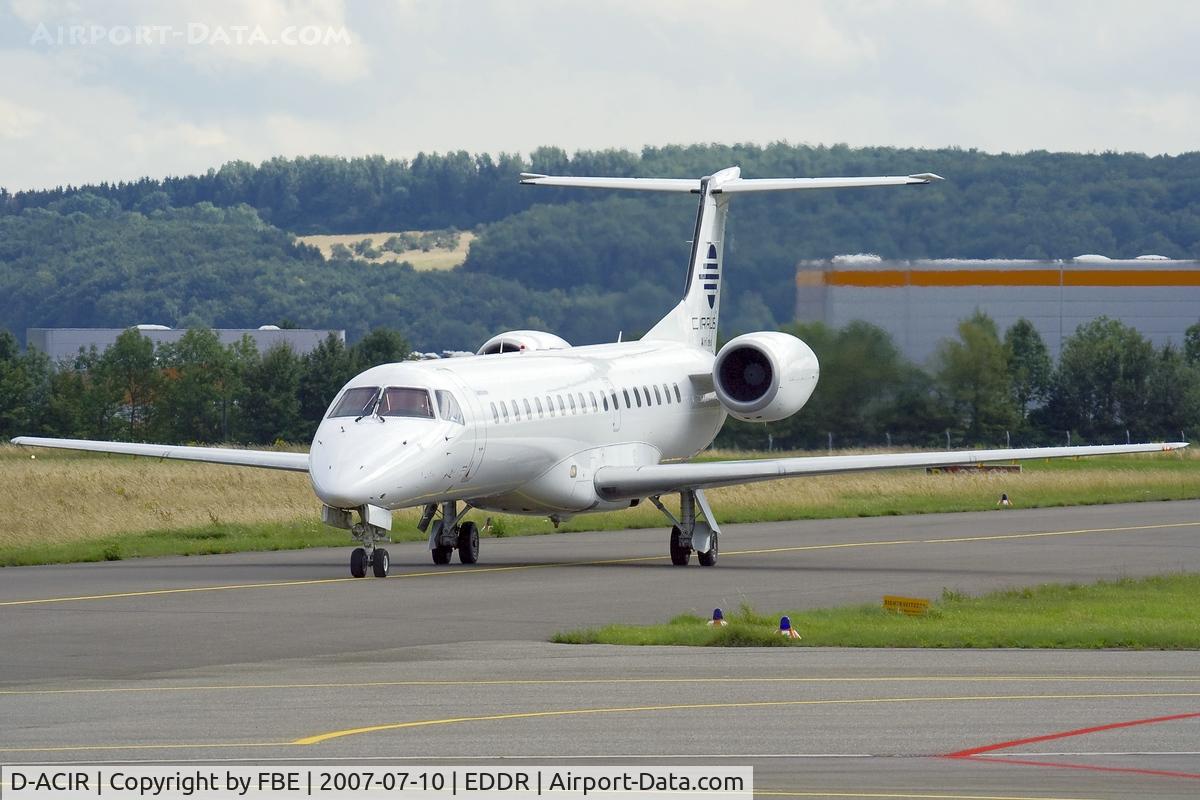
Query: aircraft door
[[465, 443]]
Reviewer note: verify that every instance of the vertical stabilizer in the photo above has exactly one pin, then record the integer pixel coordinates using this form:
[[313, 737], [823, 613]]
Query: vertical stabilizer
[[694, 320]]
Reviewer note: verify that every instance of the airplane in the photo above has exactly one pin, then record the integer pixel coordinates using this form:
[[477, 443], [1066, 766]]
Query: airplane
[[531, 425]]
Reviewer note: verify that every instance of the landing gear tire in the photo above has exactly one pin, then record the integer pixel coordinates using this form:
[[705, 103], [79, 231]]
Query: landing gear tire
[[358, 563], [441, 555], [680, 555], [709, 559], [468, 543], [380, 563]]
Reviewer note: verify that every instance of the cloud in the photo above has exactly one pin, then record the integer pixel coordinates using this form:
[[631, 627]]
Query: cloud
[[492, 76]]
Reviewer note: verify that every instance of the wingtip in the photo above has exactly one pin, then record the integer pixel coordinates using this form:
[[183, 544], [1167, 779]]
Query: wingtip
[[530, 177], [926, 177]]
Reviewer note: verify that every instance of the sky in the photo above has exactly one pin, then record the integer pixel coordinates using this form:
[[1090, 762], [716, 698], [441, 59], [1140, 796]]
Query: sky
[[118, 89]]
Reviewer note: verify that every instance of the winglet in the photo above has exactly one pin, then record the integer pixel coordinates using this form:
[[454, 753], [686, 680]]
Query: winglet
[[926, 177]]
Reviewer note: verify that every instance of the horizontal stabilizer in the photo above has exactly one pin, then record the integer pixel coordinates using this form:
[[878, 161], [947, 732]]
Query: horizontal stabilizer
[[642, 184], [265, 459], [788, 184], [729, 185]]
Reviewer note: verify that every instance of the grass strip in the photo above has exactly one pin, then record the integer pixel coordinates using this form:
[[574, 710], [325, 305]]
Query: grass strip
[[121, 507], [1156, 613]]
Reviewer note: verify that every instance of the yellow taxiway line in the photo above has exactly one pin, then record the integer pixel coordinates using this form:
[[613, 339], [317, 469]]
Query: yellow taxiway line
[[321, 738], [571, 712], [632, 560]]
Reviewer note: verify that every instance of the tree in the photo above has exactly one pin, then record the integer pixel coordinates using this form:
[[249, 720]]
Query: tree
[[1174, 395], [380, 346], [327, 368], [1029, 367], [1191, 345], [972, 373], [270, 400], [14, 387], [196, 371], [128, 370], [1101, 385]]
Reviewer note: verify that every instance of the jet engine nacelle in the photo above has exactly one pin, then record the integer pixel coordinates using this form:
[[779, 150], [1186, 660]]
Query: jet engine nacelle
[[522, 341], [765, 377]]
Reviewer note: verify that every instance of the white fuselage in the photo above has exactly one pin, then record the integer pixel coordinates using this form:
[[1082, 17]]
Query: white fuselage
[[536, 426]]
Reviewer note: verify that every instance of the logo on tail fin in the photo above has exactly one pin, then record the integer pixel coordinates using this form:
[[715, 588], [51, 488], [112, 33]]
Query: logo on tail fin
[[710, 274]]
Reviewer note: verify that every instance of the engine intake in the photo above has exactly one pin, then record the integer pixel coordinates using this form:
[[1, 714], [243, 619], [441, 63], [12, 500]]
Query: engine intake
[[521, 342], [765, 376]]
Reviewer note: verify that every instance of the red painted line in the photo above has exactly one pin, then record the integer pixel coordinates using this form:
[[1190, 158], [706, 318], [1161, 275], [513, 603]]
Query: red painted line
[[974, 751], [1091, 767]]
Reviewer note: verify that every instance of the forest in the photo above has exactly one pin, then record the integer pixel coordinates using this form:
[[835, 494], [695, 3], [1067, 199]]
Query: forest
[[985, 387], [218, 249]]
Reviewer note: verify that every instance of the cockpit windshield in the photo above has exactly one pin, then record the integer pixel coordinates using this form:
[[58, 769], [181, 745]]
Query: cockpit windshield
[[356, 402], [398, 401], [394, 401]]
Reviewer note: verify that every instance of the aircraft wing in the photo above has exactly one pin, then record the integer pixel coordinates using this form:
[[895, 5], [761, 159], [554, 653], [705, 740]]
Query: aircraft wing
[[265, 459], [629, 483]]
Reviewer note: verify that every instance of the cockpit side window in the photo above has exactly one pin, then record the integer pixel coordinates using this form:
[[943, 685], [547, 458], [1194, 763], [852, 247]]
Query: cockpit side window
[[355, 402], [402, 401], [448, 407]]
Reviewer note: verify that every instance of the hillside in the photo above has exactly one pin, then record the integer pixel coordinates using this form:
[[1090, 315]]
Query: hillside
[[221, 248]]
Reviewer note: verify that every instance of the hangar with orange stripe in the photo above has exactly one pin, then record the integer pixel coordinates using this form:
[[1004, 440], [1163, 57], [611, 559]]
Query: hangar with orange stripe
[[920, 302]]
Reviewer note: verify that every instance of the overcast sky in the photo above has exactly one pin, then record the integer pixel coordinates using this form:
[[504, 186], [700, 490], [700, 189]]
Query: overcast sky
[[123, 88]]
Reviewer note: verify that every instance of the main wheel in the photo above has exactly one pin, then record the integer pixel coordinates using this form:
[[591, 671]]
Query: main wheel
[[709, 559], [380, 563], [680, 555], [441, 555], [468, 543], [358, 563]]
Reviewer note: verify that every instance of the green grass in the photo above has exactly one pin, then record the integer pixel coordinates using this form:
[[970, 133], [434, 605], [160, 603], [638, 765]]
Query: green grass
[[139, 507], [206, 540], [1158, 613]]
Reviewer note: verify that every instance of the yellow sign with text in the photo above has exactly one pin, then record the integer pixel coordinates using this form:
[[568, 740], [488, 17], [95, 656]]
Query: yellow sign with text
[[912, 606]]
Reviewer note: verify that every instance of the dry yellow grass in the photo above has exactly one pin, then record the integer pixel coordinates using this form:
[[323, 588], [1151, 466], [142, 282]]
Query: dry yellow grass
[[105, 495], [435, 259]]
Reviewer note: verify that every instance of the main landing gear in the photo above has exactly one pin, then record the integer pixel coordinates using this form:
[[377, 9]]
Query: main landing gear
[[450, 533], [690, 534]]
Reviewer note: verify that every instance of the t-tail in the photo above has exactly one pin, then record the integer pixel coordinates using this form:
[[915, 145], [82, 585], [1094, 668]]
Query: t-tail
[[694, 320]]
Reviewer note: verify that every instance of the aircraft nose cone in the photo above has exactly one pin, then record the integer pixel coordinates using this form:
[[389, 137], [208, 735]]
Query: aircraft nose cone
[[340, 491]]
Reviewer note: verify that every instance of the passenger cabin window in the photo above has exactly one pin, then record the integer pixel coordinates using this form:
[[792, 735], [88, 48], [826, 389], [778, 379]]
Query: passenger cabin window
[[495, 414], [592, 395], [604, 400], [550, 405], [616, 406], [448, 407], [646, 391], [398, 401], [637, 397], [657, 397], [582, 403], [356, 402], [677, 397], [538, 402], [504, 410], [571, 400], [666, 393], [561, 408], [627, 403], [516, 411], [528, 410]]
